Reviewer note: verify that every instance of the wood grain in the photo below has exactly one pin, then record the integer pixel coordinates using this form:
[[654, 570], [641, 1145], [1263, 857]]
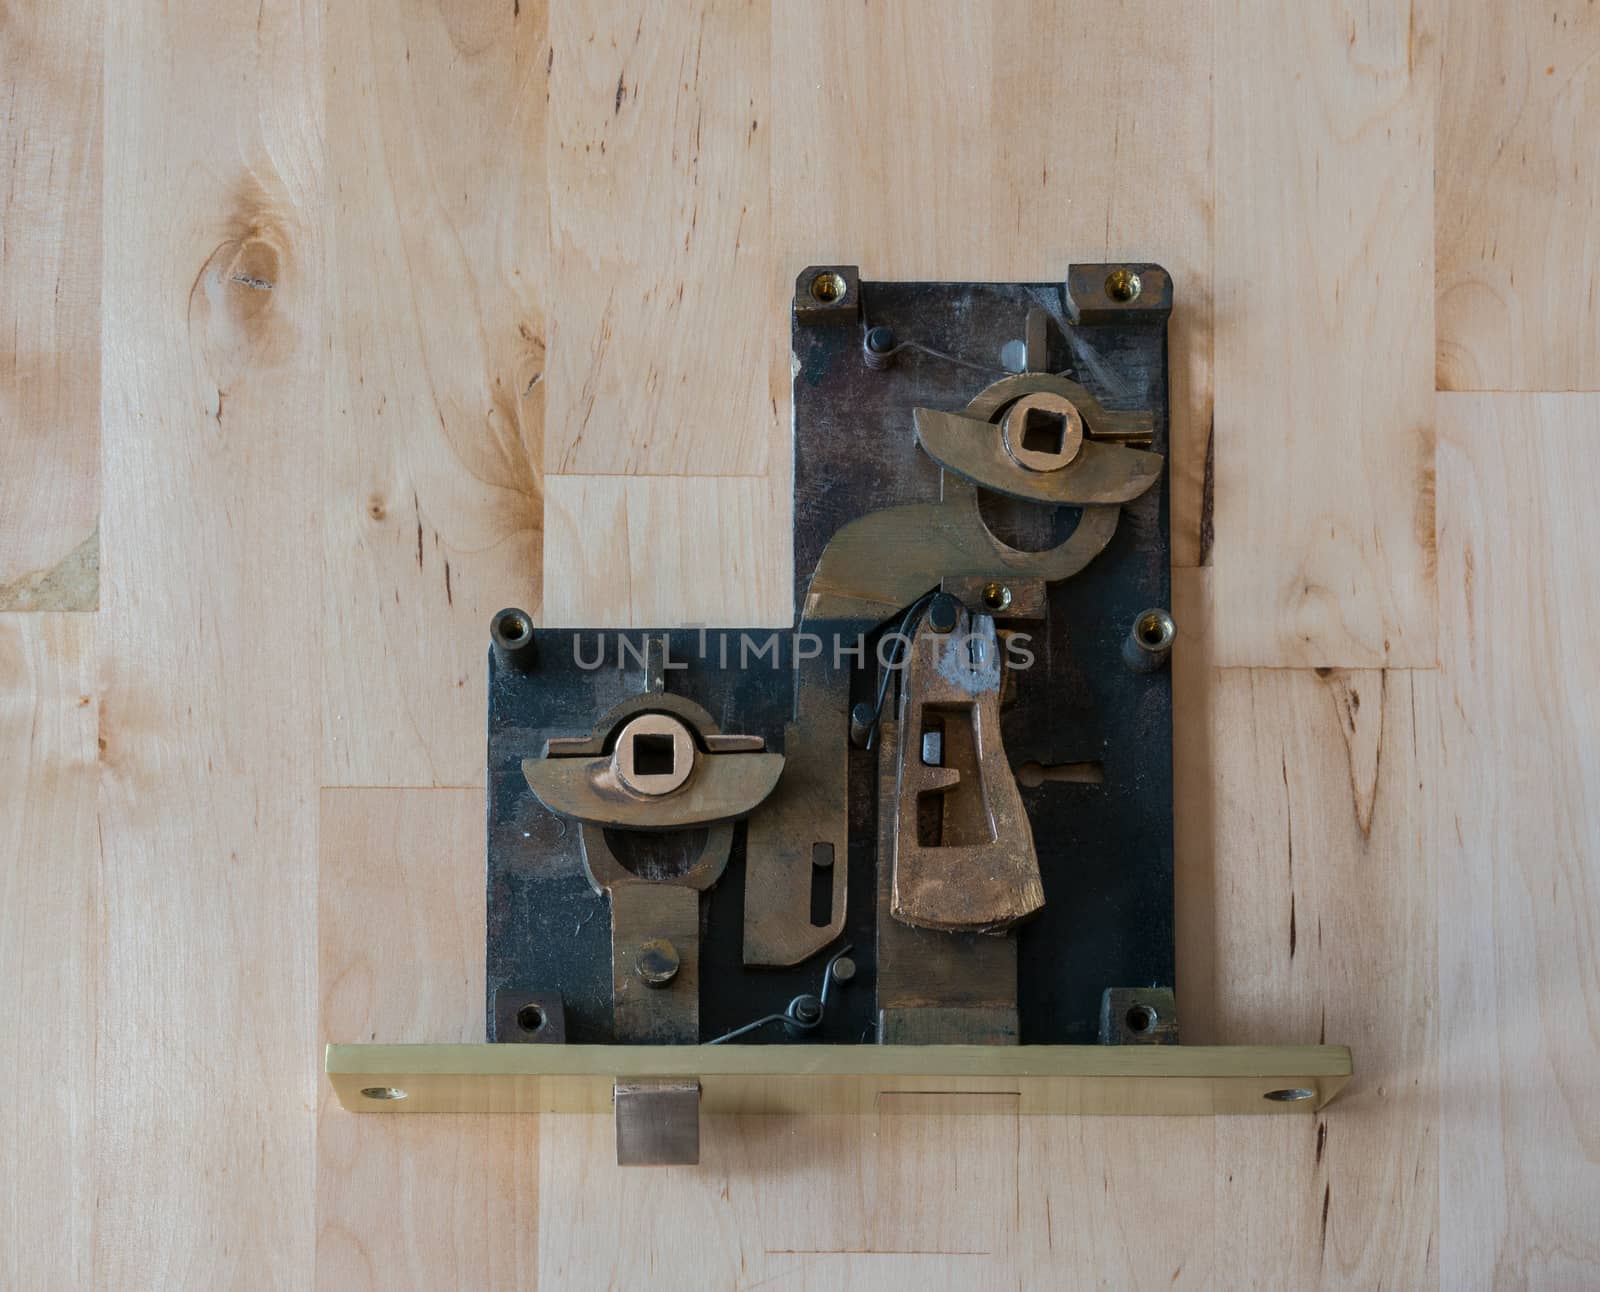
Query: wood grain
[[360, 256], [50, 64], [665, 353], [1518, 196], [665, 551], [1519, 836], [1305, 886], [1324, 365], [432, 499], [424, 1202], [49, 863], [887, 1200], [950, 141], [208, 639], [1325, 881]]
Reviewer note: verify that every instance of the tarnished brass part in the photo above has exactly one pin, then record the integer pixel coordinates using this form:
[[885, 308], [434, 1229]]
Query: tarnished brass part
[[716, 742], [963, 855], [665, 1012], [1004, 599], [1096, 474], [1197, 1080], [723, 787], [649, 911], [810, 807], [1041, 432], [884, 561], [654, 787], [1113, 293], [645, 702], [658, 1121], [935, 988], [827, 294], [1138, 1016], [605, 872], [654, 755], [733, 743], [1099, 422]]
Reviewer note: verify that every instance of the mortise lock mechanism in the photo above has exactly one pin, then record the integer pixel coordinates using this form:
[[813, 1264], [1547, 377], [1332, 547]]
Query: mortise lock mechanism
[[919, 842]]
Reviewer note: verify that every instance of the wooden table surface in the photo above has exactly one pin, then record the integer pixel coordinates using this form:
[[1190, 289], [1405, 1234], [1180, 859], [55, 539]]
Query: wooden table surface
[[329, 329]]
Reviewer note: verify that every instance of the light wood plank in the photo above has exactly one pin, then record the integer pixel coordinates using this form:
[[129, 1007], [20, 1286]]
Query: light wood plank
[[1117, 1202], [432, 493], [802, 1202], [436, 1201], [1519, 835], [208, 642], [49, 859], [1325, 890], [1006, 141], [665, 351], [50, 64], [665, 551], [1518, 196], [1324, 362]]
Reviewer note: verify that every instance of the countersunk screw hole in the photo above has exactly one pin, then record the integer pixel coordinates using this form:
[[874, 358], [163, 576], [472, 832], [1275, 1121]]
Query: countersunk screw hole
[[530, 1018], [382, 1092], [1123, 285], [1141, 1018]]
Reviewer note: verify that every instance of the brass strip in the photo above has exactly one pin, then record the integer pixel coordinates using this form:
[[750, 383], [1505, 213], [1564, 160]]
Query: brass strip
[[800, 1079]]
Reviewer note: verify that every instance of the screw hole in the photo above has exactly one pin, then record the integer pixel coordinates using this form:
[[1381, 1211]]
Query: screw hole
[[1291, 1096], [1155, 630], [514, 629], [530, 1018], [827, 287], [382, 1092], [1141, 1018], [1123, 285]]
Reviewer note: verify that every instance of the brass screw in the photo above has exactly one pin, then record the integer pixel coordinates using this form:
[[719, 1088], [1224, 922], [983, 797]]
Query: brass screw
[[1123, 285], [657, 963], [996, 596], [827, 287]]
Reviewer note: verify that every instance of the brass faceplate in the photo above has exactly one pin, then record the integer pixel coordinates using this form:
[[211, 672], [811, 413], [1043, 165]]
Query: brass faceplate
[[1193, 1080]]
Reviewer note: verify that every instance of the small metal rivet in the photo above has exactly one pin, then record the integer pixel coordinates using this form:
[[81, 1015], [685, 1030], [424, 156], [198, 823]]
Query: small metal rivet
[[877, 348], [657, 963], [943, 613], [844, 969], [863, 717], [805, 1010]]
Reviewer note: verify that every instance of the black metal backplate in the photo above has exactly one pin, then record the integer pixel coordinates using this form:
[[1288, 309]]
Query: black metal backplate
[[1105, 850]]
